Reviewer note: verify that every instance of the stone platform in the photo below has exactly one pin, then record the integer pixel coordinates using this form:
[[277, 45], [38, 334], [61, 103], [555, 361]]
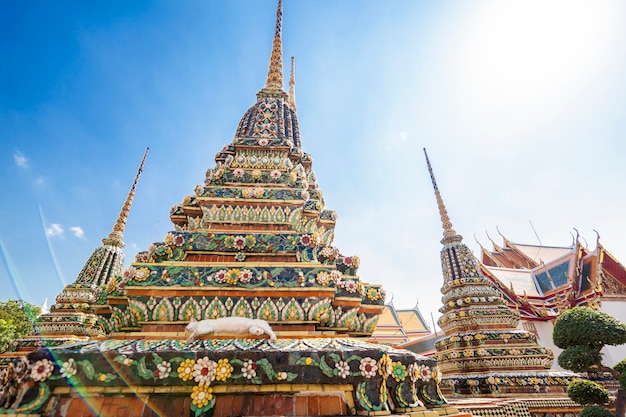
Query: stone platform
[[225, 377]]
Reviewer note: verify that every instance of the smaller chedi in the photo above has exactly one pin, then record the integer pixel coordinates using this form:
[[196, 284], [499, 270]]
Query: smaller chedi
[[483, 351]]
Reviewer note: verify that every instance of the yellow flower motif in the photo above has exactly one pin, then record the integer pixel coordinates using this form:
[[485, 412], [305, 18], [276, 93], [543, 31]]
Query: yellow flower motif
[[256, 174], [185, 370], [102, 377], [359, 288], [372, 294], [308, 361], [385, 366], [224, 370], [201, 395], [250, 241], [323, 278], [142, 274], [232, 276]]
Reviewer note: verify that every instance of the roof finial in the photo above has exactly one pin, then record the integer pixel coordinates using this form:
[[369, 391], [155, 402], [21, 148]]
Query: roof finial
[[120, 224], [448, 231], [275, 72], [292, 83]]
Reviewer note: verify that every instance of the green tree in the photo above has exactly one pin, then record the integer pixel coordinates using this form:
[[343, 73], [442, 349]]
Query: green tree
[[16, 318], [587, 392], [7, 334], [582, 332]]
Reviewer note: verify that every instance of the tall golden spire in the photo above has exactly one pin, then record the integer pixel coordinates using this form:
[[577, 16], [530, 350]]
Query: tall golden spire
[[120, 224], [292, 83], [448, 231], [275, 72]]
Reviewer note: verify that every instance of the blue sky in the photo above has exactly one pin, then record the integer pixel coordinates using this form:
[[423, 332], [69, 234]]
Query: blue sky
[[519, 103]]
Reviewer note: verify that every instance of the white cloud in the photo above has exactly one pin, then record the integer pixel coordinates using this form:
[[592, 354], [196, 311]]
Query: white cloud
[[78, 232], [40, 180], [54, 230], [403, 135], [20, 160]]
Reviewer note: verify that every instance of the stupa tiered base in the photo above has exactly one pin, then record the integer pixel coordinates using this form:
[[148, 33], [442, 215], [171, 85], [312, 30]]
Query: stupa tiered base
[[227, 377]]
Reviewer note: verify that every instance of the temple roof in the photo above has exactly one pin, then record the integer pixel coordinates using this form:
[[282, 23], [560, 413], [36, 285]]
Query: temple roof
[[521, 280], [543, 253]]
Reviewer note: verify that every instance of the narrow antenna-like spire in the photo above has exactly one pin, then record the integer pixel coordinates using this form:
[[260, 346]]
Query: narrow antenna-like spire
[[448, 231], [120, 224], [292, 83], [275, 72]]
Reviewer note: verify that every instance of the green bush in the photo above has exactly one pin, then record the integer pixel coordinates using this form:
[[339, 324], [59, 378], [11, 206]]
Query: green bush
[[585, 392], [595, 411], [622, 380], [579, 358], [588, 327], [620, 366]]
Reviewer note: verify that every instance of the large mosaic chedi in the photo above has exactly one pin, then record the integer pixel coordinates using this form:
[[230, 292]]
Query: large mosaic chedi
[[256, 241]]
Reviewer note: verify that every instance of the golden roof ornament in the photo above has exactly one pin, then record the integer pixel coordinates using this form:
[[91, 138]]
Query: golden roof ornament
[[448, 231], [120, 224], [275, 73]]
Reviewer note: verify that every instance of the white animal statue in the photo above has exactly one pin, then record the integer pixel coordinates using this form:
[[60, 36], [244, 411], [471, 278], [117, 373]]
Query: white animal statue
[[238, 325]]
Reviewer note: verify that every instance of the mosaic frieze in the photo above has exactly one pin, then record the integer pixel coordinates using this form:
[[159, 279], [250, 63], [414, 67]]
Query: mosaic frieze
[[472, 294], [483, 352], [78, 293], [535, 382], [259, 242], [381, 375], [178, 243], [221, 175], [289, 194], [474, 322], [249, 277], [262, 159], [512, 337], [478, 314], [245, 214], [182, 309], [506, 363]]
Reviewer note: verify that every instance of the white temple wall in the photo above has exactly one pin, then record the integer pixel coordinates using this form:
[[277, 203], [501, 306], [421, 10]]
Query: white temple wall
[[616, 308], [543, 330]]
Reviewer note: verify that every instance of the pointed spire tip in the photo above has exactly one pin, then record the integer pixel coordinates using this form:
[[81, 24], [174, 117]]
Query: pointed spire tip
[[448, 231], [275, 72]]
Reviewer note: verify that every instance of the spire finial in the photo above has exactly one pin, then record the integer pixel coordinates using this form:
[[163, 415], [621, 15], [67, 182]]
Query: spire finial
[[292, 83], [448, 231], [275, 72], [120, 224]]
